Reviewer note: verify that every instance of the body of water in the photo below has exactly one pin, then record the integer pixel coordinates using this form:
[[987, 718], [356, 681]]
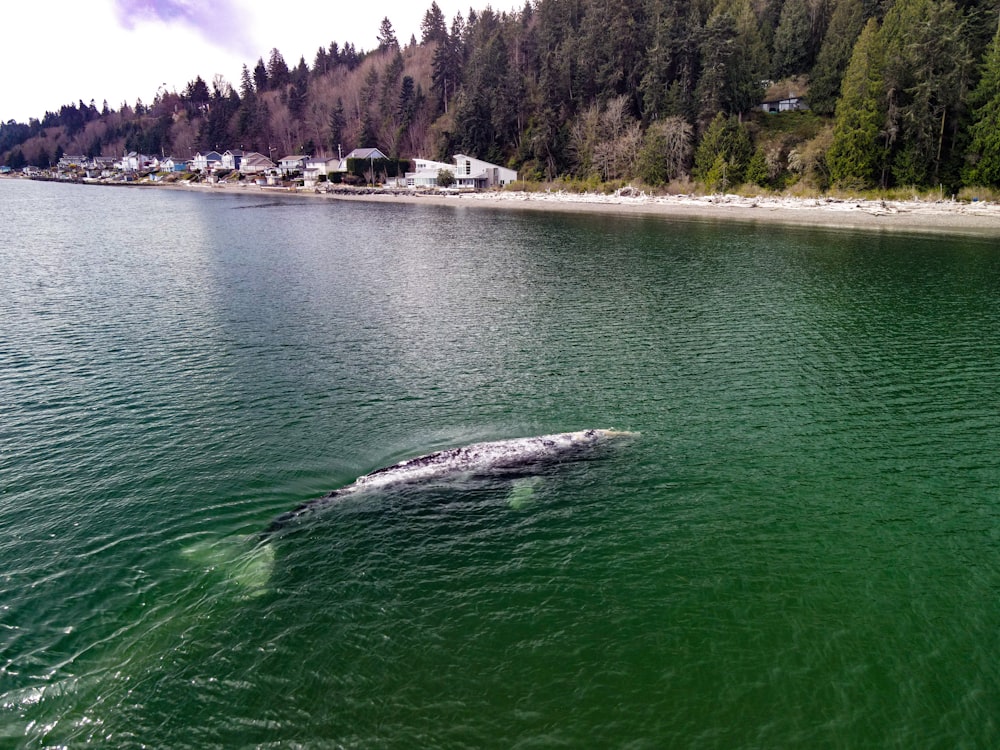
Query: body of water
[[802, 549]]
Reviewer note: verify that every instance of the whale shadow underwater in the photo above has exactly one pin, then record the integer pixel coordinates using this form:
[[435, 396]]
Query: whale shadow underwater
[[519, 463], [513, 459]]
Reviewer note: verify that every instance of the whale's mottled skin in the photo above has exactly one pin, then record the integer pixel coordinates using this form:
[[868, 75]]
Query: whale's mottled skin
[[478, 459]]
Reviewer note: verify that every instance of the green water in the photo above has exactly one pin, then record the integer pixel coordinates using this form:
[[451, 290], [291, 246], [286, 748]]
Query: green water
[[801, 550]]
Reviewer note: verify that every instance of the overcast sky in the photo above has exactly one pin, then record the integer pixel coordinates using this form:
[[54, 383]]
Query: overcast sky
[[55, 53]]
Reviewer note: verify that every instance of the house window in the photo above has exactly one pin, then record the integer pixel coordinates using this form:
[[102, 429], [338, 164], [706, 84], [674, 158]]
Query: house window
[[468, 167]]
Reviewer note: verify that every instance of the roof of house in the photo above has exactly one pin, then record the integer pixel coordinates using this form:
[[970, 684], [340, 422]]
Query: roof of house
[[366, 153], [254, 159]]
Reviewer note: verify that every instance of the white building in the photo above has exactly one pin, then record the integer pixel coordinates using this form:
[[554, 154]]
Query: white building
[[207, 162], [468, 171]]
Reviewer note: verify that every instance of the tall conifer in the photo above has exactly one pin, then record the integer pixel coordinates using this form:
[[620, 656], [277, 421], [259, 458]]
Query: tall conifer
[[985, 130], [856, 156]]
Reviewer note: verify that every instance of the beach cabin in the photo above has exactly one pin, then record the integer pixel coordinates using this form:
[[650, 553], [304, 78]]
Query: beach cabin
[[788, 104]]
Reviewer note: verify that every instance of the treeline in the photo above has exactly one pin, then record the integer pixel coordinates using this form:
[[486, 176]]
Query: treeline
[[901, 93]]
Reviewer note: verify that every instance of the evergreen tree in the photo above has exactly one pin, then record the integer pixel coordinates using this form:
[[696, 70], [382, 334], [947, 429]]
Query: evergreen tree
[[845, 26], [666, 151], [321, 63], [433, 29], [338, 121], [260, 81], [197, 93], [386, 36], [277, 70], [791, 40], [246, 83], [724, 153], [446, 75], [733, 61], [985, 130], [856, 155], [926, 64]]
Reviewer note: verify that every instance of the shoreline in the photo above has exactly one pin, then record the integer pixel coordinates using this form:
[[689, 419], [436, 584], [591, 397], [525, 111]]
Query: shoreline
[[980, 219]]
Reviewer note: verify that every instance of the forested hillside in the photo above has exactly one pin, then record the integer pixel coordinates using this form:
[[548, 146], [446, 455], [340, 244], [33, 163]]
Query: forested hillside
[[900, 93]]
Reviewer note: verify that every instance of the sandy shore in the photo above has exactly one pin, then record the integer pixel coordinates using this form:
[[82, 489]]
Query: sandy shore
[[948, 217], [980, 218]]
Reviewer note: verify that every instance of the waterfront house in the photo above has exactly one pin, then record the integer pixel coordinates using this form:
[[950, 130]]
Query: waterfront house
[[468, 171], [319, 166], [426, 172], [173, 164], [476, 173], [293, 163], [207, 162], [366, 154], [232, 159], [71, 161], [255, 163]]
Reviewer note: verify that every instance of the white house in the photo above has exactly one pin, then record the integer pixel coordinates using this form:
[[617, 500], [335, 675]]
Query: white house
[[133, 162], [476, 173], [426, 172], [173, 164], [789, 104], [232, 159], [322, 165], [293, 163], [468, 171], [206, 162]]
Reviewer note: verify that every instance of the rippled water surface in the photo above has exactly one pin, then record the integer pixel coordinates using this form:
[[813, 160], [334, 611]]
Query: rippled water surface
[[802, 549]]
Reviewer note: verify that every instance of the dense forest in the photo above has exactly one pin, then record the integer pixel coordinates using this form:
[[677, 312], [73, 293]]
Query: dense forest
[[901, 93]]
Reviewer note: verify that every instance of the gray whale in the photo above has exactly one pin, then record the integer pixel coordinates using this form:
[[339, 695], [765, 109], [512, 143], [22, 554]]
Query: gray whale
[[527, 454]]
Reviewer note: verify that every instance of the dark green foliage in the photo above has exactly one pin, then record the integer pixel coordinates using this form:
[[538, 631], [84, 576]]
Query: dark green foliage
[[260, 80], [197, 93], [791, 40], [857, 154], [433, 29], [984, 149], [666, 151], [388, 167], [842, 33], [277, 70], [337, 124], [733, 62], [724, 153], [926, 80], [15, 159]]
